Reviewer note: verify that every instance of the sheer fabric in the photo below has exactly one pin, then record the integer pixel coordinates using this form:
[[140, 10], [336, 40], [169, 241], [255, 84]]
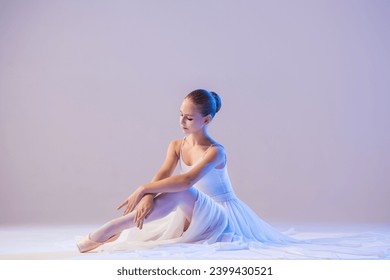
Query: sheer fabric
[[221, 221]]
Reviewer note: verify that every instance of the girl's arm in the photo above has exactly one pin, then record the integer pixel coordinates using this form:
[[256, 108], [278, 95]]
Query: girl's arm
[[214, 157], [166, 170], [167, 167], [170, 162]]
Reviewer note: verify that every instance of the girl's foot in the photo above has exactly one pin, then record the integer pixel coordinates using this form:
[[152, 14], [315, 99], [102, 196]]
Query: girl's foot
[[87, 244]]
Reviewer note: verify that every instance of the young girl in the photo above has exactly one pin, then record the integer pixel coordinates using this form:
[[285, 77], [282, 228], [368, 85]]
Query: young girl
[[197, 206]]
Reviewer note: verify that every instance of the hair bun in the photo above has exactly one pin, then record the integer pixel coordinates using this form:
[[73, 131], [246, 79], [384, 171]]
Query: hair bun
[[218, 101]]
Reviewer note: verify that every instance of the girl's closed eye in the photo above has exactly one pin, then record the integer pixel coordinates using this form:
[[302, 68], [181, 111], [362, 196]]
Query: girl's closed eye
[[189, 119]]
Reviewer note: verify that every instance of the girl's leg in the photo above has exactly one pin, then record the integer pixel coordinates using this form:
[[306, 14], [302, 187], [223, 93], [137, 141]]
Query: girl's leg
[[163, 205]]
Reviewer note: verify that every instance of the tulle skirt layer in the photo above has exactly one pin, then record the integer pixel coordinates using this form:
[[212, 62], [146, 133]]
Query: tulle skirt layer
[[223, 221], [226, 223]]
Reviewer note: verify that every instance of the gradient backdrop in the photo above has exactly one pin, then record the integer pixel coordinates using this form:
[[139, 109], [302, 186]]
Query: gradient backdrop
[[90, 94]]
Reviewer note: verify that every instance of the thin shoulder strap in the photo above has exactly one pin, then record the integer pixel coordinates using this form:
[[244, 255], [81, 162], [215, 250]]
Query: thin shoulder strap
[[181, 146], [208, 148], [212, 146], [217, 144]]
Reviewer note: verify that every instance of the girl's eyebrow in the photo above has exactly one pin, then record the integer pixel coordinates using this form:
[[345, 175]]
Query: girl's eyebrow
[[186, 114]]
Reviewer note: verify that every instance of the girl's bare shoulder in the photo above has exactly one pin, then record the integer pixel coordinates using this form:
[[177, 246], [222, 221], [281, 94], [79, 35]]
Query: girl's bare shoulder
[[176, 142], [175, 145]]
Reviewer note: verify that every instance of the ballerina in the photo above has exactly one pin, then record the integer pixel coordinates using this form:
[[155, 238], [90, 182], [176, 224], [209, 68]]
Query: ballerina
[[197, 206]]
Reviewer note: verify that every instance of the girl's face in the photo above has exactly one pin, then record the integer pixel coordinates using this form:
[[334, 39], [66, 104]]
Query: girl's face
[[190, 119]]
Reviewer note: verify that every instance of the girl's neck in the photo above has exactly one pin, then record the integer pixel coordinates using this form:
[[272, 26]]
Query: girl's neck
[[200, 138]]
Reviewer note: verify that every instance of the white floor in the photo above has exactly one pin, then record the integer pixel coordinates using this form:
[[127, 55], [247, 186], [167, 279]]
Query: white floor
[[58, 242]]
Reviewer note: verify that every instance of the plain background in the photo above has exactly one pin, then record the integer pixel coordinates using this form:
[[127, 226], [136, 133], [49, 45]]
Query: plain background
[[90, 94]]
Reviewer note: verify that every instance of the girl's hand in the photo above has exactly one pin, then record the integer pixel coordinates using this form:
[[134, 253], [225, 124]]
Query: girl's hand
[[144, 207], [132, 200]]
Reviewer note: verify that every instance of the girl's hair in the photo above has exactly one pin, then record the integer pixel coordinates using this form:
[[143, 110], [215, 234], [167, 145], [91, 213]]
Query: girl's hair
[[208, 102]]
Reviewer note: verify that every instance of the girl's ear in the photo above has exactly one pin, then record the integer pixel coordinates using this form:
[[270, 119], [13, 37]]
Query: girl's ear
[[208, 119]]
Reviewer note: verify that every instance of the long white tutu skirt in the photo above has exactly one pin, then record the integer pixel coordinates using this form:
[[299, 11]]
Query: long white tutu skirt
[[208, 225], [229, 224]]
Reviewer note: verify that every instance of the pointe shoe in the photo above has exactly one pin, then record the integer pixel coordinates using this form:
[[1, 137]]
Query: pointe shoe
[[87, 244]]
